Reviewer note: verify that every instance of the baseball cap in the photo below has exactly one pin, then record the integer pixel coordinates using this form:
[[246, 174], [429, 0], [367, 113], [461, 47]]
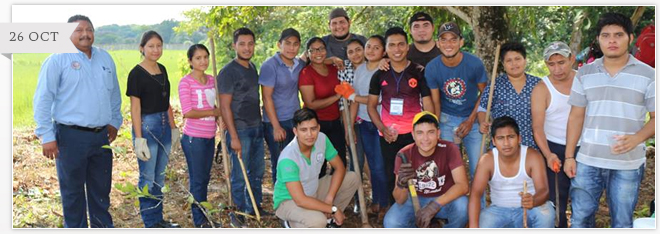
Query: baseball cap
[[556, 47], [289, 32], [425, 115], [450, 27], [420, 16], [338, 12]]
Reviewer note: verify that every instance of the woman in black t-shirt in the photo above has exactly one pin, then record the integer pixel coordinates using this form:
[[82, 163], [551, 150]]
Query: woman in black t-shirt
[[154, 131]]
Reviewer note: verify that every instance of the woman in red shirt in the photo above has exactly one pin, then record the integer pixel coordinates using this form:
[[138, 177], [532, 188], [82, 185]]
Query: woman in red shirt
[[317, 82]]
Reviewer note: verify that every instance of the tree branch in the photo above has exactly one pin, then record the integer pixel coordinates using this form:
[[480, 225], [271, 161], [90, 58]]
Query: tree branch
[[461, 14]]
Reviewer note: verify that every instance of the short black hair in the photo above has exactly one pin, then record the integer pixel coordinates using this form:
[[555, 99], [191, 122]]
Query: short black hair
[[427, 119], [243, 31], [379, 38], [504, 121], [303, 115], [289, 32], [512, 46], [612, 18], [146, 36], [193, 48], [396, 31], [354, 40], [80, 17]]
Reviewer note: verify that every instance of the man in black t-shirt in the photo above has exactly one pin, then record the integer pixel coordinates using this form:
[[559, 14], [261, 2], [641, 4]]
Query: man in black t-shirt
[[424, 48]]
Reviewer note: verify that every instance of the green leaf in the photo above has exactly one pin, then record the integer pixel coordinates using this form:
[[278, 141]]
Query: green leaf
[[119, 187], [128, 187], [191, 199], [145, 190], [165, 189], [136, 203], [106, 147], [206, 205]]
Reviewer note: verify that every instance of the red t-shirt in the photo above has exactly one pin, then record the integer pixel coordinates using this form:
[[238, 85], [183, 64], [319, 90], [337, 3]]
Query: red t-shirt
[[434, 172], [324, 86]]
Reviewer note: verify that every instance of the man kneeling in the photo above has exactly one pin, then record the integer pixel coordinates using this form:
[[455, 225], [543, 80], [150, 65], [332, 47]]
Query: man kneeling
[[504, 169], [301, 199], [437, 171]]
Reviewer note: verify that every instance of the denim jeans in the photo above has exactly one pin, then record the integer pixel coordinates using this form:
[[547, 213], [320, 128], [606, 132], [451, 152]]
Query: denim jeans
[[334, 129], [471, 142], [274, 147], [252, 153], [587, 186], [84, 172], [371, 143], [199, 157], [156, 130], [542, 216], [403, 215], [359, 149]]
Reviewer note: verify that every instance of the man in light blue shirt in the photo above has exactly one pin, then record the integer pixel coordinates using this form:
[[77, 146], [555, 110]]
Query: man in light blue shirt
[[77, 110]]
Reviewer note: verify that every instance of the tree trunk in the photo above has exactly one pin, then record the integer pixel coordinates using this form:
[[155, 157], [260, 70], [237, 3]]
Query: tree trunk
[[637, 15], [490, 28], [576, 35]]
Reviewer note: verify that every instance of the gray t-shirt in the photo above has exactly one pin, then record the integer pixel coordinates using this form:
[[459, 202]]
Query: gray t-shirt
[[243, 84], [361, 80], [338, 48]]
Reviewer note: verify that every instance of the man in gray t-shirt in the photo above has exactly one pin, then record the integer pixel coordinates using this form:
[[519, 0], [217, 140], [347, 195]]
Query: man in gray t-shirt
[[239, 101], [340, 35]]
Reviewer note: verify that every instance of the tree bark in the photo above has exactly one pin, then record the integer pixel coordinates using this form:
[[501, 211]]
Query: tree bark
[[576, 35], [637, 15], [490, 28]]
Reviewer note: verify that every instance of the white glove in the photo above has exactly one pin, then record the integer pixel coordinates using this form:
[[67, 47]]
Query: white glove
[[176, 136], [141, 149]]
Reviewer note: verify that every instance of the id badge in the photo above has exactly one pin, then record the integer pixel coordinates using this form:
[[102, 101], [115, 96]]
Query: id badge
[[396, 106]]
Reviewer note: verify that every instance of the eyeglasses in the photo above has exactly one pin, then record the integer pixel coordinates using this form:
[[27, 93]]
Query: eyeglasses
[[317, 50]]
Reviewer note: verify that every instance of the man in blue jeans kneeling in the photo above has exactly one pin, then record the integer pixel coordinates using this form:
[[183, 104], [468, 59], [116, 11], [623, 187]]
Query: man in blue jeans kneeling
[[437, 171]]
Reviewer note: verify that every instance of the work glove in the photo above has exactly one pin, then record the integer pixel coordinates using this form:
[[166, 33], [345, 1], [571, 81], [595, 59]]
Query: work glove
[[176, 137], [406, 172], [142, 149], [424, 215], [345, 90]]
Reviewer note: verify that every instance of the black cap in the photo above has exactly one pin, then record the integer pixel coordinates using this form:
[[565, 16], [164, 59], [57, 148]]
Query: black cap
[[338, 12], [289, 32], [450, 27], [420, 16]]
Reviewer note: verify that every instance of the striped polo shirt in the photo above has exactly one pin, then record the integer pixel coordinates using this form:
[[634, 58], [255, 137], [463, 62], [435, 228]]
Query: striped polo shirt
[[614, 106]]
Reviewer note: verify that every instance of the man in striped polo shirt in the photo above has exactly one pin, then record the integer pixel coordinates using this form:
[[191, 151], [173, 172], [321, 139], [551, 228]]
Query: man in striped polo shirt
[[610, 98]]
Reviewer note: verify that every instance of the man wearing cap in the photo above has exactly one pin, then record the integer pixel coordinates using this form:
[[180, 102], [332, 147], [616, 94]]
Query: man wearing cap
[[77, 110], [436, 169], [340, 35], [278, 78], [550, 110], [509, 169], [457, 79], [402, 92], [423, 49]]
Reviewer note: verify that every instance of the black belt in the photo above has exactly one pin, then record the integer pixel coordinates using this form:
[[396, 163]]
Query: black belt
[[95, 130]]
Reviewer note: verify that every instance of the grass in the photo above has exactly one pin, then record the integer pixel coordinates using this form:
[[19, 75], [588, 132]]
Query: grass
[[26, 72]]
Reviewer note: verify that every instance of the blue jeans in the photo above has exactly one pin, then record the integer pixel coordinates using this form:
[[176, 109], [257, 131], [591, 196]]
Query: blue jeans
[[403, 215], [587, 186], [274, 147], [252, 152], [542, 216], [371, 143], [199, 157], [471, 142], [359, 149], [84, 172], [156, 130]]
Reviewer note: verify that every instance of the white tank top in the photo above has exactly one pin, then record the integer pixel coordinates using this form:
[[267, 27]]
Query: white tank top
[[556, 116], [504, 190]]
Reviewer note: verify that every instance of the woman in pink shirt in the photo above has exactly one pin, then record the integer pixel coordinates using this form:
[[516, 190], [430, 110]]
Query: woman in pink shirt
[[197, 94]]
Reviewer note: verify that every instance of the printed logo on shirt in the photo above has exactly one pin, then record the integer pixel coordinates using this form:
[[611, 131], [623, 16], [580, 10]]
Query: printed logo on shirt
[[427, 171], [384, 83], [412, 83], [75, 65], [428, 179], [319, 157], [454, 89]]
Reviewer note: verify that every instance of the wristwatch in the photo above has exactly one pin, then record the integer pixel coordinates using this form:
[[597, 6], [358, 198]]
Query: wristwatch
[[334, 210]]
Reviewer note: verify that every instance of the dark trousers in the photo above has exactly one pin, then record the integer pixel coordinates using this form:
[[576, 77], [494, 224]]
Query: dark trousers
[[199, 157], [389, 151], [84, 171], [564, 183], [275, 147], [335, 132]]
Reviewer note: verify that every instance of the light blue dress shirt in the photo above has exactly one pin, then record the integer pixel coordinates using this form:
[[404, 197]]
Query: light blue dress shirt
[[76, 90]]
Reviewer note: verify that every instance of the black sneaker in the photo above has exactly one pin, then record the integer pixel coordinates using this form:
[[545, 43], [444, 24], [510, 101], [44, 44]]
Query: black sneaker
[[207, 224], [285, 224], [165, 224]]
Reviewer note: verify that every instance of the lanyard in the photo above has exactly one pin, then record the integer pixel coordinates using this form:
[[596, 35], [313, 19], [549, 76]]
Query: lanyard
[[398, 80]]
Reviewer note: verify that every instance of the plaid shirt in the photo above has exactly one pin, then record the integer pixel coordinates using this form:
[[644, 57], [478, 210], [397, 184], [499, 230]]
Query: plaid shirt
[[346, 75]]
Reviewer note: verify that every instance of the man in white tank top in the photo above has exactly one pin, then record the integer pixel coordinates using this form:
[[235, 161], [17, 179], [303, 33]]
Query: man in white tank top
[[550, 111], [504, 169]]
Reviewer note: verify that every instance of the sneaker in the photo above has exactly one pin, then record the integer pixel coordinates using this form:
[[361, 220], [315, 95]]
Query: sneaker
[[207, 224], [165, 224], [285, 224], [356, 208], [236, 221], [332, 224]]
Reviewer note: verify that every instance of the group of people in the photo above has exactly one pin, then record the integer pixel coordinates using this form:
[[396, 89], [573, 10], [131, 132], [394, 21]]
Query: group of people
[[412, 106]]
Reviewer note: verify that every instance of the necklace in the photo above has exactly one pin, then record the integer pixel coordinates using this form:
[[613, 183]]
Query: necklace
[[162, 84]]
